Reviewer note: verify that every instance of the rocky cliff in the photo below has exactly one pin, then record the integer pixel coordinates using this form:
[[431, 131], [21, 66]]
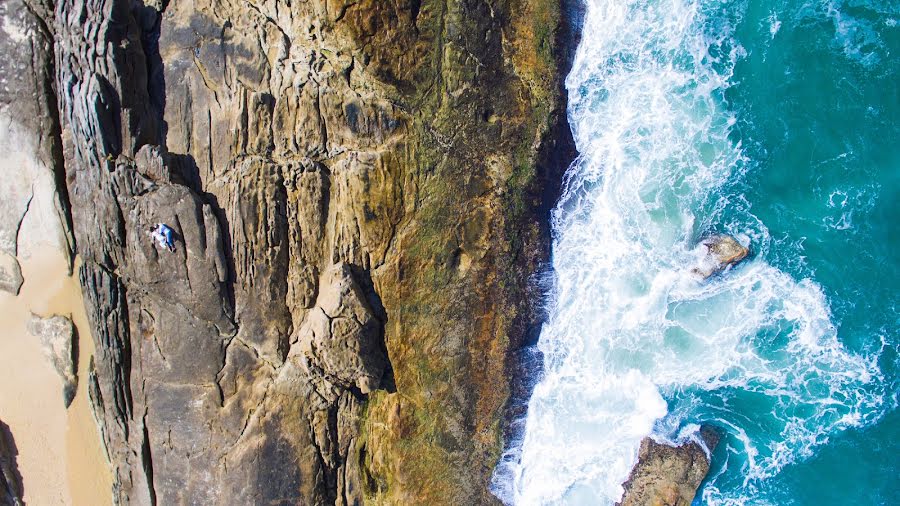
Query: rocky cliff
[[356, 191]]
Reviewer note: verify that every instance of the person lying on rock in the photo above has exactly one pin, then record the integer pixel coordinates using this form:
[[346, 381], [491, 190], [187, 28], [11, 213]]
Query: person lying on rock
[[163, 235]]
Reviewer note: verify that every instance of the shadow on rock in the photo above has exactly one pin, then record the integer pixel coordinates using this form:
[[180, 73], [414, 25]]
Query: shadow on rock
[[10, 479]]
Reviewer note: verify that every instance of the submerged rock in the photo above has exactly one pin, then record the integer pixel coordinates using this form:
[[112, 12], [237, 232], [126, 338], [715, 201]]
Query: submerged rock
[[669, 475], [57, 334], [722, 251]]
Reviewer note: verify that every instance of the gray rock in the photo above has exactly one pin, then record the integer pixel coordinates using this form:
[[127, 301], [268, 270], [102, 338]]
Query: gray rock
[[33, 212], [278, 140], [721, 252], [10, 479], [57, 335], [10, 273], [669, 475]]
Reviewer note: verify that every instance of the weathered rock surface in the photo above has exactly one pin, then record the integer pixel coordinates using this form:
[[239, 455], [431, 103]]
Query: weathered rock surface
[[57, 335], [669, 475], [33, 214], [10, 479], [10, 273], [722, 251], [342, 335], [356, 192]]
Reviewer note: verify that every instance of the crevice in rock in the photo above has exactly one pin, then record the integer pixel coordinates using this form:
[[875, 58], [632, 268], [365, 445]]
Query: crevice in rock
[[268, 18], [205, 79], [95, 396], [147, 461], [22, 219], [112, 338], [53, 131], [150, 21], [343, 12], [252, 414], [414, 7]]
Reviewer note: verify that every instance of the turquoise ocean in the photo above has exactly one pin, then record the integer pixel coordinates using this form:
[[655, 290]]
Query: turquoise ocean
[[774, 121]]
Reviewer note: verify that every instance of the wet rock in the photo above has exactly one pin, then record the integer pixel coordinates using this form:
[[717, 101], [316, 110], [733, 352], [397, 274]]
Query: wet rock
[[10, 479], [669, 475], [57, 335], [721, 251]]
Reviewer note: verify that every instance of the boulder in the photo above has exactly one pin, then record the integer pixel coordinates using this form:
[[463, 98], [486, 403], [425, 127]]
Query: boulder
[[57, 335], [10, 273], [342, 335], [669, 475], [721, 252]]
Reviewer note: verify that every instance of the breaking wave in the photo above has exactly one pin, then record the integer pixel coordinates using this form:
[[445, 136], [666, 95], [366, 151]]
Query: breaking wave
[[635, 343]]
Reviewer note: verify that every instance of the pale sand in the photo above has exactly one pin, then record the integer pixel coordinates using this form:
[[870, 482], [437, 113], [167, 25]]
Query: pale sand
[[60, 454]]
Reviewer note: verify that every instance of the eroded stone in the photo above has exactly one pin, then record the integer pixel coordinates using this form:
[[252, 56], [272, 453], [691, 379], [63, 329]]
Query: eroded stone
[[57, 335], [342, 334], [669, 475], [722, 252], [10, 273]]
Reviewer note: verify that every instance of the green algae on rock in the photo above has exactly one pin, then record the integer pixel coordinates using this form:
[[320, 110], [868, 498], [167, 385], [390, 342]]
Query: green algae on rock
[[403, 142]]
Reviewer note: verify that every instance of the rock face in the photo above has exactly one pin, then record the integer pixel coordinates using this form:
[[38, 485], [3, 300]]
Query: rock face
[[341, 334], [722, 251], [57, 335], [33, 214], [356, 190], [10, 479], [668, 475], [10, 273]]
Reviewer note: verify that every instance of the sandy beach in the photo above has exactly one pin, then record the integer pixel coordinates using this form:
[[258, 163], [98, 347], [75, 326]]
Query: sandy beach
[[60, 454]]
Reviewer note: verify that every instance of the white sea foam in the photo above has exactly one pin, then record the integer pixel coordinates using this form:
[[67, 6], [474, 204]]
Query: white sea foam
[[774, 24], [857, 37], [630, 326]]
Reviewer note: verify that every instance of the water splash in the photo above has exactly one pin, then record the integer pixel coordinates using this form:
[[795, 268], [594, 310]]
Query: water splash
[[635, 343]]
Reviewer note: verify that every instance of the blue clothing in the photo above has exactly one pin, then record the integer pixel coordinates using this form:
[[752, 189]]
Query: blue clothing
[[164, 236], [167, 235]]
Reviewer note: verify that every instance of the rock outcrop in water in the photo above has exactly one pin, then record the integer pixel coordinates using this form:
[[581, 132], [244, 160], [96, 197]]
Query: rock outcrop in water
[[357, 193], [669, 475], [722, 251]]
